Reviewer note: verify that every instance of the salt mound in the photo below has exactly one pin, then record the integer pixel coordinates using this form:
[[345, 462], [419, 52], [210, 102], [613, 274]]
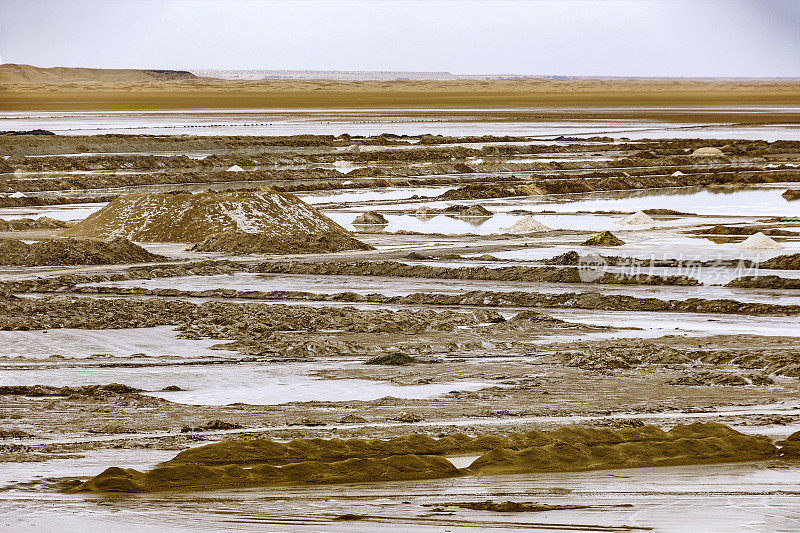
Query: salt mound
[[707, 151], [235, 168], [526, 224], [189, 217], [677, 173], [638, 218], [759, 241]]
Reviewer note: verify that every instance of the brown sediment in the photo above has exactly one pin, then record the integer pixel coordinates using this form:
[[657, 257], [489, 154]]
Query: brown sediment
[[704, 379], [508, 506], [73, 252], [24, 224], [790, 447], [263, 462], [721, 229], [626, 448], [513, 273], [571, 185], [475, 298], [792, 194], [764, 282], [782, 262], [239, 242], [605, 356]]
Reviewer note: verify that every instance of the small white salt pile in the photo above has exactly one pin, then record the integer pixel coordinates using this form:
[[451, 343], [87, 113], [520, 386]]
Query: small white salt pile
[[677, 173], [235, 168], [759, 241], [638, 218], [526, 224], [707, 151]]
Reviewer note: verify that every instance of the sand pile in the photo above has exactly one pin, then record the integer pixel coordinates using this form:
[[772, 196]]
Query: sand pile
[[281, 221], [371, 218], [759, 241], [707, 151], [604, 239], [73, 252], [261, 462], [637, 218], [526, 224]]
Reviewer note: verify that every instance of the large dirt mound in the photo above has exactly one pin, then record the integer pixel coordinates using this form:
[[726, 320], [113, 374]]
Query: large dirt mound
[[241, 463], [73, 252], [275, 217]]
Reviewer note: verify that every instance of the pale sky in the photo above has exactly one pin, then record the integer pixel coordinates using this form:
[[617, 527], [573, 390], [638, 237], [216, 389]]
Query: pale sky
[[593, 38]]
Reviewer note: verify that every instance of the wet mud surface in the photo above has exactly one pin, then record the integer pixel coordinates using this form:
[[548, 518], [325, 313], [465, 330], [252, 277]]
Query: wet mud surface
[[489, 340]]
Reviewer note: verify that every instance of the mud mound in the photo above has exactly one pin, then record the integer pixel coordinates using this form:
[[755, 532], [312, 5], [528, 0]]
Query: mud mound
[[262, 462], [708, 151], [478, 191], [392, 359], [764, 282], [721, 229], [692, 444], [508, 506], [571, 258], [512, 273], [525, 225], [604, 239], [721, 379], [638, 218], [792, 194], [239, 242], [371, 217], [24, 224], [791, 446], [73, 252], [782, 262], [476, 211], [187, 217], [197, 477], [759, 241]]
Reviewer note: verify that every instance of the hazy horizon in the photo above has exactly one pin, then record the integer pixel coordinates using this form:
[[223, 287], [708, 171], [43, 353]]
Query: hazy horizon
[[652, 39]]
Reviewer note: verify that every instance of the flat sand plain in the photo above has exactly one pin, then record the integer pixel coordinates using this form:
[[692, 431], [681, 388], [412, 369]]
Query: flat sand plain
[[665, 98]]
